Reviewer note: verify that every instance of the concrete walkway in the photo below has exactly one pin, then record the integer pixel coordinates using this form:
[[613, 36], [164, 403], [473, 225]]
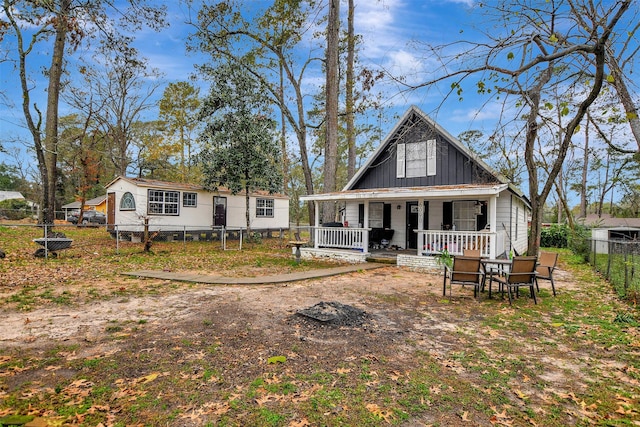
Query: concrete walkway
[[278, 278]]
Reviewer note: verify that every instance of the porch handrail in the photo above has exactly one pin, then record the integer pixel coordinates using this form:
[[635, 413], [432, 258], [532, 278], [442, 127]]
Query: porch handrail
[[455, 242], [341, 237]]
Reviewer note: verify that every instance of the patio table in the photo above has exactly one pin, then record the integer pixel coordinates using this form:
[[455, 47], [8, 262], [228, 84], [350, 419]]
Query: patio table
[[494, 266]]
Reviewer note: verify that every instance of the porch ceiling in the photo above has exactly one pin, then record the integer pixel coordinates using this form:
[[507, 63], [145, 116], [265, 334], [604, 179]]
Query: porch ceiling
[[404, 193]]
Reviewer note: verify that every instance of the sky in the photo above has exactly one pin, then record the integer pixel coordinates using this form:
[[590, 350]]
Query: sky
[[387, 27]]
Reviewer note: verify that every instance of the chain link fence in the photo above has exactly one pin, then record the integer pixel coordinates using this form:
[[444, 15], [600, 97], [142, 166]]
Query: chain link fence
[[619, 262], [24, 239]]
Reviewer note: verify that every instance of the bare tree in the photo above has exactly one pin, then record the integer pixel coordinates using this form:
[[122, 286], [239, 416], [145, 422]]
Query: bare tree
[[121, 88], [539, 48], [58, 27]]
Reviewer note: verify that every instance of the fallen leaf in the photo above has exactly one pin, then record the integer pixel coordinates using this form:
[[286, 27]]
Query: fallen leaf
[[520, 394], [302, 423], [148, 378], [379, 412], [277, 359]]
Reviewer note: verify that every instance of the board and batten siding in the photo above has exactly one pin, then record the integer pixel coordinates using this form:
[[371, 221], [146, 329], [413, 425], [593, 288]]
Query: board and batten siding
[[453, 167]]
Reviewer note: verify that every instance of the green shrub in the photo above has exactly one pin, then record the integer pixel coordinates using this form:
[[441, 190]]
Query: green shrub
[[14, 209], [579, 241], [555, 236]]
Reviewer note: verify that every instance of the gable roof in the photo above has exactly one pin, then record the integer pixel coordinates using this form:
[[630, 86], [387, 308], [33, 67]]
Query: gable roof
[[91, 202], [179, 186], [607, 221], [10, 195], [389, 139]]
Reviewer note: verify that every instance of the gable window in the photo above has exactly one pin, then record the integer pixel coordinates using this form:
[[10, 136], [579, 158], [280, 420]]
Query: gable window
[[416, 159], [163, 202], [189, 200], [127, 203], [264, 208]]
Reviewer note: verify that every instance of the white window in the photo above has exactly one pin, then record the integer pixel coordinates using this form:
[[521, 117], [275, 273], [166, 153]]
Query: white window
[[464, 215], [127, 203], [163, 202], [416, 159], [189, 200], [376, 215], [264, 208]]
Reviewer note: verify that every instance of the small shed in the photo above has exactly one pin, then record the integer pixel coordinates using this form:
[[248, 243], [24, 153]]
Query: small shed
[[602, 237]]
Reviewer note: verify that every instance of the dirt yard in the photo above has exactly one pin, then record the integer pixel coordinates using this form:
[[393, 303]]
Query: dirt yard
[[160, 353]]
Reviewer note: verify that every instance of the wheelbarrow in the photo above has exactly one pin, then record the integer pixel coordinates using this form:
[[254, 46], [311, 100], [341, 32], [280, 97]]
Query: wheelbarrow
[[51, 245]]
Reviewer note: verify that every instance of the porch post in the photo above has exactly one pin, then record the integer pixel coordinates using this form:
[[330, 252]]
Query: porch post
[[419, 244], [316, 232], [493, 221], [365, 225]]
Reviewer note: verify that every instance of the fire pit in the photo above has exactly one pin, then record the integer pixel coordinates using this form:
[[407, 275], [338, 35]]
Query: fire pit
[[334, 313]]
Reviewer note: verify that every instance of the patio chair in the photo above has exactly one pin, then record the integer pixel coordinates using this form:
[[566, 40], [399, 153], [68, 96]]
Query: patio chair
[[546, 264], [464, 271], [521, 273], [471, 253]]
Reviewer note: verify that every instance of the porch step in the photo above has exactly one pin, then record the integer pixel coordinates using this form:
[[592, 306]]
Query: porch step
[[382, 259]]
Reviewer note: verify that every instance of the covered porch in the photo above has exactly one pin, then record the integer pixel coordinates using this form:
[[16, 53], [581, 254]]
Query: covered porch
[[424, 221]]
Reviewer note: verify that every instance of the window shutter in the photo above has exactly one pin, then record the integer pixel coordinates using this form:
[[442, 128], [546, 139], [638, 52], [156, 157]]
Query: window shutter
[[431, 157], [400, 149]]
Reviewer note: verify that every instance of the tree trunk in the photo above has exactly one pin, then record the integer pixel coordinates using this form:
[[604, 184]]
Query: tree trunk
[[625, 97], [247, 213], [283, 135], [350, 128], [331, 142], [585, 170], [51, 121]]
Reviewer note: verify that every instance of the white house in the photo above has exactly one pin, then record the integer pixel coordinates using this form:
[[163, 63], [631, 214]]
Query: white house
[[170, 206], [10, 195], [423, 191]]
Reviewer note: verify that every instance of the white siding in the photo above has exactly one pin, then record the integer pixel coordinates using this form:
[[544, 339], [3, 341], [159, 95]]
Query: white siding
[[199, 216], [507, 208]]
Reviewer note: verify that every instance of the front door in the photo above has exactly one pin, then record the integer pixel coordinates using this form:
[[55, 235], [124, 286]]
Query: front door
[[412, 223], [220, 211], [111, 210]]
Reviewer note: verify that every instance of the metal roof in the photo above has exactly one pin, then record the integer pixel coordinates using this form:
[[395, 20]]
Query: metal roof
[[403, 193]]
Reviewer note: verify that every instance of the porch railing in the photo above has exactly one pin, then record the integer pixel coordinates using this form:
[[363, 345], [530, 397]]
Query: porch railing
[[341, 237], [429, 242], [455, 242]]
